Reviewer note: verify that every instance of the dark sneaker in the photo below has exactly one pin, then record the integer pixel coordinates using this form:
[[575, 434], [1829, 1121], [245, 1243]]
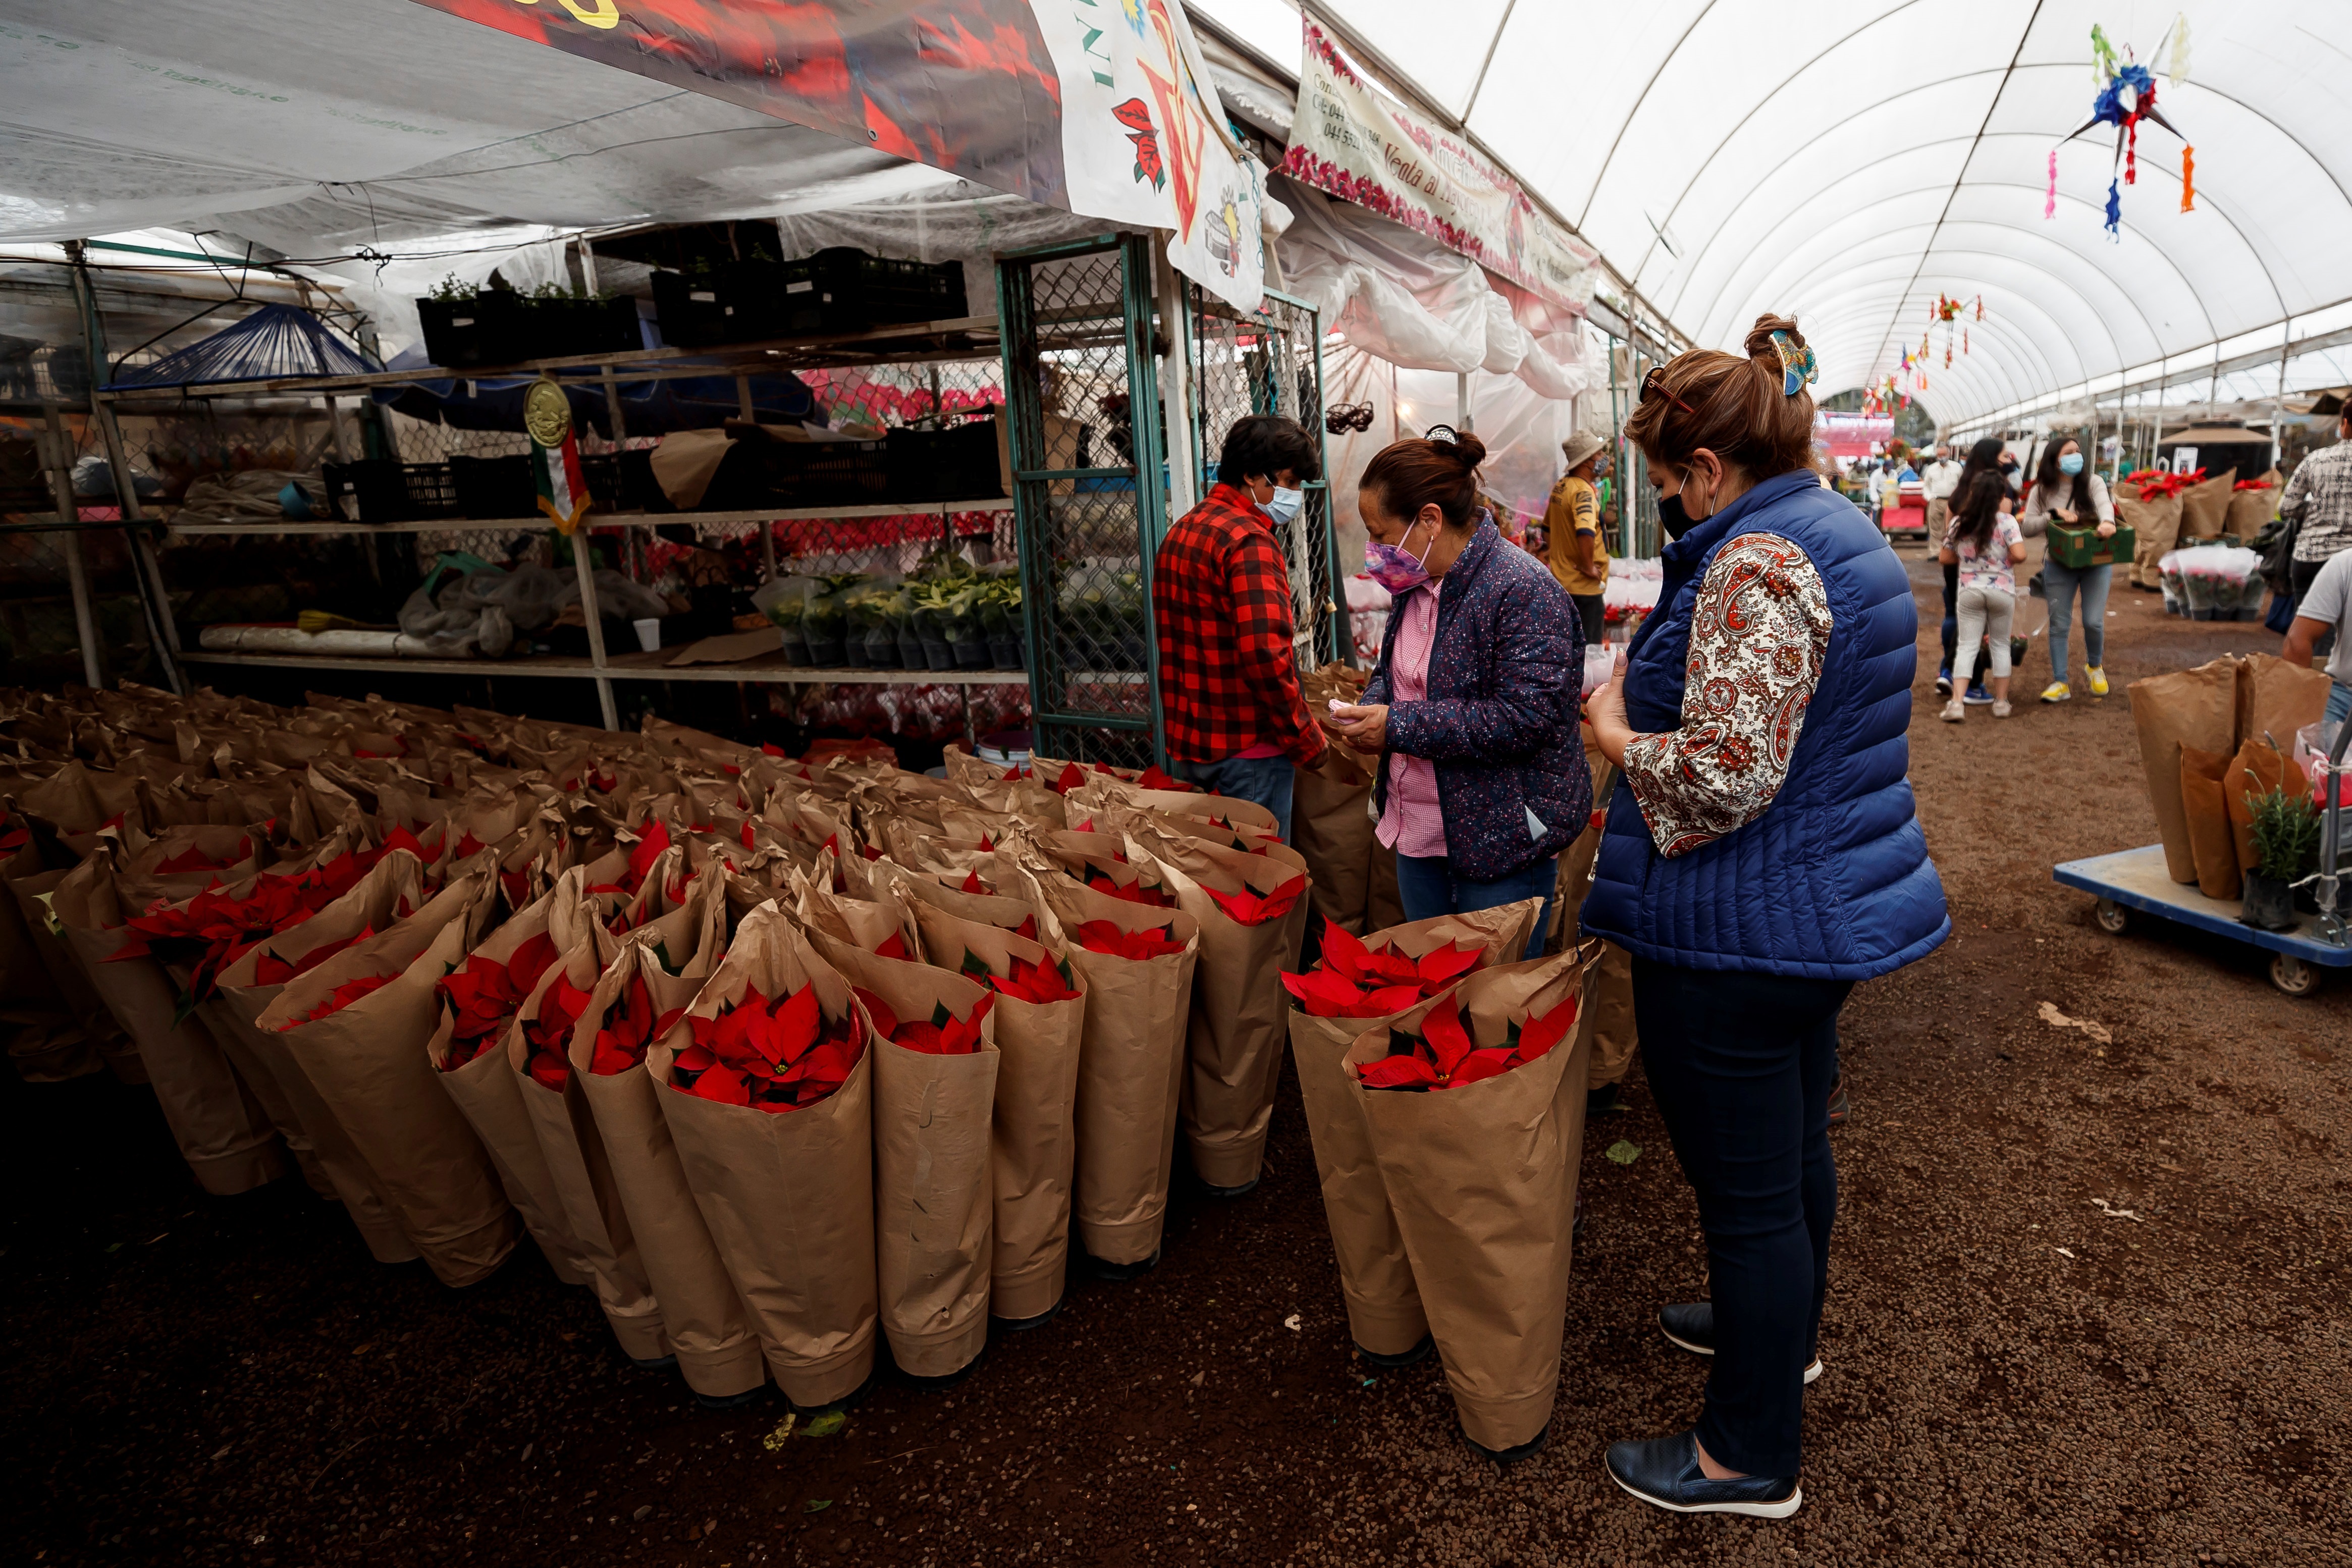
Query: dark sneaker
[[1978, 697], [1664, 1473], [1691, 1324], [1412, 1357], [1120, 1273], [1841, 1107], [1944, 681], [1600, 1102], [1518, 1451]]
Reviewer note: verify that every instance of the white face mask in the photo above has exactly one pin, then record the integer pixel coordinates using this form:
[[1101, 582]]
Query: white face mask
[[1284, 507]]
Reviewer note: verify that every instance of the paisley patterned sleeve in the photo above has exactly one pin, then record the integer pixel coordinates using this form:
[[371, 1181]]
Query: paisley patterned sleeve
[[1759, 633]]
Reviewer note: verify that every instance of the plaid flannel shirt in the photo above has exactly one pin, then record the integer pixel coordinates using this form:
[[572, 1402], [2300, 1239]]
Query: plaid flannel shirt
[[1227, 677]]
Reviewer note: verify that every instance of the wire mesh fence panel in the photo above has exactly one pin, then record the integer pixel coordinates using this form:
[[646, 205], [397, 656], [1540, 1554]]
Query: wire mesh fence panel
[[1270, 362], [1090, 489]]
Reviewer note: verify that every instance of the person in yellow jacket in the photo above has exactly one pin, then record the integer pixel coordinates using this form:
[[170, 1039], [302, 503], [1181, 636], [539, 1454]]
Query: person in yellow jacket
[[1574, 548]]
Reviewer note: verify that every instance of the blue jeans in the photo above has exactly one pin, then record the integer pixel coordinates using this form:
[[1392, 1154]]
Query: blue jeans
[[2060, 582], [1265, 781], [1740, 1066], [1427, 888], [2339, 703]]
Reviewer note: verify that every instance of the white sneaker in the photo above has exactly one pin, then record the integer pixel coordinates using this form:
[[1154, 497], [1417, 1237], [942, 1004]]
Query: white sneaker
[[1954, 711], [2000, 707]]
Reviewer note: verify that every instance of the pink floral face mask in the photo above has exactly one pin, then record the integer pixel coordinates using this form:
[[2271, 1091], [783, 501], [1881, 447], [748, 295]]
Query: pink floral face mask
[[1395, 567]]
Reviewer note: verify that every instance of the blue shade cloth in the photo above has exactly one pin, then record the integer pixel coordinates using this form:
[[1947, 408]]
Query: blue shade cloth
[[275, 340]]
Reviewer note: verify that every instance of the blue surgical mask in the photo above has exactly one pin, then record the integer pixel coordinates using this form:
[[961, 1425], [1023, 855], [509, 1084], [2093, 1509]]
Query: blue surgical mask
[[2072, 463], [1284, 505]]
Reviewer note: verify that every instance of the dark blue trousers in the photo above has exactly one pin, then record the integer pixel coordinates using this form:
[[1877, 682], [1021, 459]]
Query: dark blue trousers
[[1740, 1065]]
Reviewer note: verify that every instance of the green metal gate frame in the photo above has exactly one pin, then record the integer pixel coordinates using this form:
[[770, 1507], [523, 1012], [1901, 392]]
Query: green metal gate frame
[[1073, 656]]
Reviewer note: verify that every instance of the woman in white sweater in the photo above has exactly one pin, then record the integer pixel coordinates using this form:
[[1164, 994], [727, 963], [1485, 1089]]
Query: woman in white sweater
[[2066, 490]]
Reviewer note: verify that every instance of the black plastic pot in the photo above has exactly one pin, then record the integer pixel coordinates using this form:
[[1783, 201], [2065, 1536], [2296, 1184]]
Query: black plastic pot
[[826, 654], [853, 647], [971, 655], [910, 647], [2268, 903], [937, 655], [1005, 652], [796, 648], [882, 648]]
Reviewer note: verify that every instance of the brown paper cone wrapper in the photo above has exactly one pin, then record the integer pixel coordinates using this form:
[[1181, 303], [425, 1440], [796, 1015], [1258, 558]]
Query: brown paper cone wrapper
[[2210, 842], [233, 1038], [1003, 908], [2276, 698], [368, 1062], [1385, 904], [708, 1327], [1033, 1139], [1233, 1046], [1331, 829], [1613, 1035], [2188, 707], [72, 980], [222, 1130], [788, 1196], [2257, 769], [1130, 1071], [1483, 1182], [1384, 1312]]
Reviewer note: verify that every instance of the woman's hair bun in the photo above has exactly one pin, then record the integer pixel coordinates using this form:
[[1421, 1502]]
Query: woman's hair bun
[[1759, 338], [1457, 446]]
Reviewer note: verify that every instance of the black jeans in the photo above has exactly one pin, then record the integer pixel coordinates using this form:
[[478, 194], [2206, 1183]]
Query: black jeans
[[1740, 1066], [1592, 608], [2304, 573]]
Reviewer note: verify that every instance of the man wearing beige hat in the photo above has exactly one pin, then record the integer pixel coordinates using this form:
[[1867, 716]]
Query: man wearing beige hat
[[1574, 549]]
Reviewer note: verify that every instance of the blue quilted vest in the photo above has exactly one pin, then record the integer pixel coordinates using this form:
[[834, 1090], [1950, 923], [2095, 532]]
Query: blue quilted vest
[[1833, 882]]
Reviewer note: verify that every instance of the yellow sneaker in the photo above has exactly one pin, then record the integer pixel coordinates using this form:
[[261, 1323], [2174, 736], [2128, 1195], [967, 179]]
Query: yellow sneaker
[[2057, 692], [2098, 682]]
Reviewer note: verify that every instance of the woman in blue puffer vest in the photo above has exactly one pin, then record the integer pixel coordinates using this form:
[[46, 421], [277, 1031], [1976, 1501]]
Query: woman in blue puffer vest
[[1761, 854]]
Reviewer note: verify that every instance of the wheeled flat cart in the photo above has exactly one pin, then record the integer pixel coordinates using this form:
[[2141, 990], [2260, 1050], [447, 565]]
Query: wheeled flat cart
[[2135, 880]]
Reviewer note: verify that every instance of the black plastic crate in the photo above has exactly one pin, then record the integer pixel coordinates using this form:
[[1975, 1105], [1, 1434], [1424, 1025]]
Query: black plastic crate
[[493, 488], [462, 333], [826, 472], [737, 302], [842, 289], [382, 490], [958, 464]]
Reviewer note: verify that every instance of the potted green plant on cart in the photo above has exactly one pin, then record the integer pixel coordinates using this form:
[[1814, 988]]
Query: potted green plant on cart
[[2287, 850]]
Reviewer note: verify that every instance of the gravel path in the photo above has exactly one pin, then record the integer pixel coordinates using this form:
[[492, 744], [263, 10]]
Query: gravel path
[[2016, 1375]]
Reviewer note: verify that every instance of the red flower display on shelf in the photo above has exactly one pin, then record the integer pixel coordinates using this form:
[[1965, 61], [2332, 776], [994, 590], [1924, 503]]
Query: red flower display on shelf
[[1109, 937], [629, 1027], [343, 996], [193, 859], [1444, 1056], [1247, 908], [775, 1056], [549, 1036], [1136, 892], [484, 994], [1354, 981], [942, 1034], [1030, 982]]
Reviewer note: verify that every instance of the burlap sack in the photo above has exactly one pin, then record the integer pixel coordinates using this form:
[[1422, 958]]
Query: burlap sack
[[2154, 526], [367, 1061], [1482, 1179], [1234, 1050], [2187, 707], [2204, 505], [2258, 769], [1384, 1312], [1130, 1069], [788, 1196], [222, 1130], [2251, 509], [1033, 1140], [933, 1213], [2210, 844], [489, 1097], [708, 1327]]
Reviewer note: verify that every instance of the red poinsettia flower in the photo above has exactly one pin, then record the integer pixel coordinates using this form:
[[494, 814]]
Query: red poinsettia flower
[[549, 1036], [1136, 892], [629, 1027], [1247, 908], [1106, 937], [942, 1034], [894, 946], [342, 997], [1049, 981], [15, 838], [193, 859], [484, 994], [1153, 779], [776, 1056], [971, 882], [270, 969], [1444, 1056]]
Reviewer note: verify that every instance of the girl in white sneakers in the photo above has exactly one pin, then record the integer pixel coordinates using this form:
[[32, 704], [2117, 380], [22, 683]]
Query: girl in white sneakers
[[1986, 546]]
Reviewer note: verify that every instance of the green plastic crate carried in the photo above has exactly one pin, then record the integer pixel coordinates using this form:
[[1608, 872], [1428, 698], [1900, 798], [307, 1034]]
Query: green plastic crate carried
[[2079, 548]]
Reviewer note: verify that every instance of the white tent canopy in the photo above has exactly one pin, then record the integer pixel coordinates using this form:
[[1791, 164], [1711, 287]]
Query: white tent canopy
[[1848, 163]]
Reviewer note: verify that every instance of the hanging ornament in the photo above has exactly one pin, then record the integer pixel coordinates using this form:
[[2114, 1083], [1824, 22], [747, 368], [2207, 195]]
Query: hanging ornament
[[2179, 71], [1948, 356], [1964, 341], [2049, 198], [2188, 178], [2126, 96], [1980, 306]]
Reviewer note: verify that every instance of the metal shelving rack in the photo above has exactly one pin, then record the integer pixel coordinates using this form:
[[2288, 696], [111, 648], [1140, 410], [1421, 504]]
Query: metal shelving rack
[[966, 338]]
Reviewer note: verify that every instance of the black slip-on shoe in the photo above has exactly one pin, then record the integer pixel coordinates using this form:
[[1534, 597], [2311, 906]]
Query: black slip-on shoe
[[1412, 1357], [730, 1401], [1664, 1472], [1518, 1451], [1120, 1272], [1018, 1325], [1691, 1324]]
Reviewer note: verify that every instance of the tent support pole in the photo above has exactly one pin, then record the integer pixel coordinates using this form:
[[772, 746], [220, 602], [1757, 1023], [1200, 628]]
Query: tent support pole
[[1176, 384], [145, 568], [60, 467]]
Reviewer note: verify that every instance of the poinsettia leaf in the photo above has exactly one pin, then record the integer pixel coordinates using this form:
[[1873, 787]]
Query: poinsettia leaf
[[1341, 951], [1443, 1030], [1447, 964], [1397, 1072], [1488, 1061], [974, 966], [885, 1019]]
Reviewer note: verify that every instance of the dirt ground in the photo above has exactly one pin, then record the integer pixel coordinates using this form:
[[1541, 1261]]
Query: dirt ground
[[2015, 1375]]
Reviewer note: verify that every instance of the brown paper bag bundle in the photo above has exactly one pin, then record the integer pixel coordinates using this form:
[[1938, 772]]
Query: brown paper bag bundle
[[32, 890], [1130, 1069], [2258, 769], [1222, 815], [1331, 827], [2204, 505], [2202, 802], [2276, 698], [932, 1209], [1384, 1312], [1482, 1179], [1005, 910], [1033, 1139], [488, 1095], [367, 1061], [866, 924], [2187, 707], [2156, 527], [228, 851], [708, 1327], [222, 1130], [1233, 1050], [1613, 1034], [788, 1195]]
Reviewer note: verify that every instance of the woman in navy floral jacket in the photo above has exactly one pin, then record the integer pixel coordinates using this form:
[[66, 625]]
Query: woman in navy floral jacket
[[1473, 707]]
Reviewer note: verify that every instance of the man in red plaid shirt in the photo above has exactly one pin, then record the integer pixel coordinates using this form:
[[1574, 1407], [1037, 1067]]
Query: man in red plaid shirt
[[1220, 588]]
